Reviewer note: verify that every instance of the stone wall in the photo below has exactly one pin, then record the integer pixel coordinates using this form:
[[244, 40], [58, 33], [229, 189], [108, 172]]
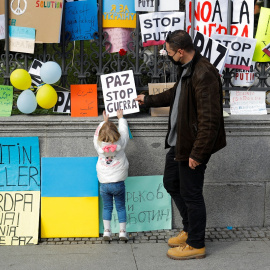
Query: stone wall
[[237, 180]]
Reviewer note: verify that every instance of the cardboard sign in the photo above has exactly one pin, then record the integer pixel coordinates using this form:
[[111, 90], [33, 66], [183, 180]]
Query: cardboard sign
[[2, 7], [240, 50], [81, 19], [34, 72], [6, 100], [21, 39], [211, 17], [244, 77], [149, 5], [19, 164], [157, 88], [2, 26], [266, 49], [44, 16], [19, 217], [84, 100], [262, 36], [119, 39], [247, 102], [119, 92], [215, 52], [148, 205], [69, 197], [119, 13], [63, 102], [155, 26]]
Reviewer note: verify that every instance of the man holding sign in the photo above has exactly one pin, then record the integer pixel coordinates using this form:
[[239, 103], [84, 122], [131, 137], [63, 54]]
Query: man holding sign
[[195, 131]]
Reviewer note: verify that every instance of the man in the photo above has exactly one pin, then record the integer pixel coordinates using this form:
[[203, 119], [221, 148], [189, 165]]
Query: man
[[195, 131]]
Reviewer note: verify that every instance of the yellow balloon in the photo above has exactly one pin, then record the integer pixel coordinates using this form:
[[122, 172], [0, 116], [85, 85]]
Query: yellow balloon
[[46, 96], [20, 79]]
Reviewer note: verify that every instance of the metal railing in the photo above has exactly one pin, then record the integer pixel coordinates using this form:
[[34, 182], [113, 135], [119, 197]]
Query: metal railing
[[83, 62]]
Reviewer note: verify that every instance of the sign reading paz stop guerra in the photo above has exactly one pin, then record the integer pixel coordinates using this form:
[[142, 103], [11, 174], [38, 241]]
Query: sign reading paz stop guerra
[[119, 92]]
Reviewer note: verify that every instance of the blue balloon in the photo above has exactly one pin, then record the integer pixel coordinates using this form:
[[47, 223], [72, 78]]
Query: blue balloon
[[27, 102], [50, 72]]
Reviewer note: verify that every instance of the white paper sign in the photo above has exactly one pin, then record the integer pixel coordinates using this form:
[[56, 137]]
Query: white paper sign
[[214, 51], [244, 77], [63, 102], [240, 52], [119, 92], [155, 26], [34, 72], [2, 26], [149, 5], [247, 102], [211, 17], [19, 217]]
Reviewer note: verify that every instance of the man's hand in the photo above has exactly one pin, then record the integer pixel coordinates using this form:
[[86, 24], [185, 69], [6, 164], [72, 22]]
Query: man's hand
[[105, 116], [140, 99], [193, 163], [120, 114]]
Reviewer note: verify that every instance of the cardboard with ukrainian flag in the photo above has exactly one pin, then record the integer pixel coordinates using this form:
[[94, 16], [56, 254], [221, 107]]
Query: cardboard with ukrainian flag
[[119, 13]]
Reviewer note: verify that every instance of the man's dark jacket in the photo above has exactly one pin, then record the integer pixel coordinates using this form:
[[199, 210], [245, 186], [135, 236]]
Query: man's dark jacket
[[200, 124]]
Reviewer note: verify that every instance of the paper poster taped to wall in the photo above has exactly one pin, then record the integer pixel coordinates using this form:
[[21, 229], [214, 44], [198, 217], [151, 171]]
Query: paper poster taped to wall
[[211, 17], [119, 13], [240, 50], [119, 92], [81, 19], [6, 100], [44, 16], [19, 164], [148, 205], [19, 217], [155, 26], [84, 100]]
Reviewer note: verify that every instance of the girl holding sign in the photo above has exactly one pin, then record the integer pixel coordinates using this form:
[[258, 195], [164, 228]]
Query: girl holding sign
[[112, 170]]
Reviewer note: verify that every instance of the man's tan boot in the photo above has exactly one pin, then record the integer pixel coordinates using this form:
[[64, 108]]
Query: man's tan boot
[[180, 239], [186, 252]]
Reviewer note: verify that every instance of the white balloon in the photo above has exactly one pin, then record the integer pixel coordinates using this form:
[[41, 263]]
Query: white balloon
[[50, 72], [27, 102]]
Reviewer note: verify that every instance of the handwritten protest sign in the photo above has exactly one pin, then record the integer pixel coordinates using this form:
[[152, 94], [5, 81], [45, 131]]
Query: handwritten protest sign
[[119, 92], [244, 77], [119, 13], [21, 39], [157, 88], [19, 164], [19, 217], [155, 26], [262, 36], [6, 100], [84, 100], [2, 26], [34, 72], [63, 102], [119, 39], [148, 205], [44, 16], [247, 102], [81, 19], [211, 17], [149, 5], [215, 52], [240, 50]]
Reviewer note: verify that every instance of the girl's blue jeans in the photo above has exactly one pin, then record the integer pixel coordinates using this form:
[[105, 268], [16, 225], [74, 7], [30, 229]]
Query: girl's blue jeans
[[108, 192]]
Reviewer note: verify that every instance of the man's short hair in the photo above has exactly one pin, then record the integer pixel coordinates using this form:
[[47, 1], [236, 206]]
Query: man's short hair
[[180, 39]]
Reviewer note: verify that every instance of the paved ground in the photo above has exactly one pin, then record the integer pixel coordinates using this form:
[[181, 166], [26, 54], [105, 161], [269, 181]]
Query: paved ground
[[236, 249]]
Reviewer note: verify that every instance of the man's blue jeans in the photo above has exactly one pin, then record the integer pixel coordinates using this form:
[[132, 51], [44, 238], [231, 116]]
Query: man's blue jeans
[[108, 192]]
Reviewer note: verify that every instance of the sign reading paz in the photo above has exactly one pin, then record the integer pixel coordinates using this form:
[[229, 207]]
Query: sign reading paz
[[63, 102], [119, 92], [215, 52]]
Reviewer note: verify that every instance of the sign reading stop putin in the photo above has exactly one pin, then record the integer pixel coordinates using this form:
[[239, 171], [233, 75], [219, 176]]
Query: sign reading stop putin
[[119, 92]]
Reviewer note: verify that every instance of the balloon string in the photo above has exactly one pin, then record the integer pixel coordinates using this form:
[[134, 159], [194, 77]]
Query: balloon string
[[52, 84], [61, 87]]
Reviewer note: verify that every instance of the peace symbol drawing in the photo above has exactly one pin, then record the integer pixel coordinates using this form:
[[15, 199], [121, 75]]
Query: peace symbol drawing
[[18, 10]]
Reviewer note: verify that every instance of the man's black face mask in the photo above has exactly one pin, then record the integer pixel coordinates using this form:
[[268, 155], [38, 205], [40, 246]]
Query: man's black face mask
[[177, 63]]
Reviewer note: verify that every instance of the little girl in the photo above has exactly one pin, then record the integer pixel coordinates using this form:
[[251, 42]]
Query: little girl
[[112, 170]]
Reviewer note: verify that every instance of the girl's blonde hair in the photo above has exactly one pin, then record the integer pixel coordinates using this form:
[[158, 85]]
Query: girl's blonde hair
[[108, 133]]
